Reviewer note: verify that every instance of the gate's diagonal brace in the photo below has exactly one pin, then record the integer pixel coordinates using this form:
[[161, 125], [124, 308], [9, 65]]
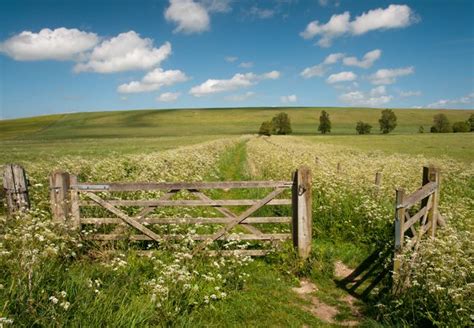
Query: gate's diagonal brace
[[239, 219], [124, 216], [228, 213], [149, 209]]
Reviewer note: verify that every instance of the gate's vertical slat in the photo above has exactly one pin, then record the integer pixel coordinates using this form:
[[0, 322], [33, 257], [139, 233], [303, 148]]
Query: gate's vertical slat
[[431, 174], [302, 210], [59, 194], [75, 210], [16, 189]]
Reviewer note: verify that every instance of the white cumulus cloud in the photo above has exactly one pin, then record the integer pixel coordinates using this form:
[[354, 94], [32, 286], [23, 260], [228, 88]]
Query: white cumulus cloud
[[389, 76], [236, 82], [321, 69], [127, 51], [288, 99], [47, 44], [450, 103], [231, 59], [246, 65], [341, 77], [168, 97], [394, 16], [366, 62], [375, 98], [154, 80], [190, 16]]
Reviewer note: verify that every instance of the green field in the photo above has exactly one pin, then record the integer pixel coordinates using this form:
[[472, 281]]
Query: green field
[[350, 221], [191, 122]]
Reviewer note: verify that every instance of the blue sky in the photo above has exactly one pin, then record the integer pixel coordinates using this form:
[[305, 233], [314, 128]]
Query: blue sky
[[69, 56]]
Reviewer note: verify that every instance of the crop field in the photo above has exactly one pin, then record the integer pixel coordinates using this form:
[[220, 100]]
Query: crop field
[[53, 278]]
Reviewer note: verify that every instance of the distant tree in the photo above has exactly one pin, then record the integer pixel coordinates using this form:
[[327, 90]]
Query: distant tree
[[461, 127], [441, 124], [388, 121], [281, 124], [324, 123], [433, 129], [421, 129], [363, 128], [266, 129], [471, 122]]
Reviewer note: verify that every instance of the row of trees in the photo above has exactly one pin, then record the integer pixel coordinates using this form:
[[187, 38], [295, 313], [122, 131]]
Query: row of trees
[[280, 124], [387, 122], [441, 124]]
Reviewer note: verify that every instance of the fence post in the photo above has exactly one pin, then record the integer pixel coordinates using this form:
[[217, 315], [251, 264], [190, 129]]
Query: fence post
[[431, 174], [15, 185], [378, 181], [302, 218], [59, 194], [399, 233]]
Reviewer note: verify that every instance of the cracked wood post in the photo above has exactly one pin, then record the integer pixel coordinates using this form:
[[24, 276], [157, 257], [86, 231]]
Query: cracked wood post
[[15, 185], [431, 174], [59, 183], [378, 182], [301, 205], [399, 233]]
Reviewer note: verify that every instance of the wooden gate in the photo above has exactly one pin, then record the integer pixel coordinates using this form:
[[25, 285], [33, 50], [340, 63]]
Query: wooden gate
[[410, 228], [68, 197]]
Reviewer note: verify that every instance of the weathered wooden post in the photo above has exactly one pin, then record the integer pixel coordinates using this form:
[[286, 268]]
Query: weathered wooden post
[[59, 182], [431, 174], [74, 204], [302, 218], [339, 168], [399, 230], [15, 185], [378, 180]]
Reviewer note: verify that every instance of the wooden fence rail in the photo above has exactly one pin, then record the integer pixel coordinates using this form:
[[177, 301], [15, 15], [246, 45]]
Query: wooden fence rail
[[68, 197]]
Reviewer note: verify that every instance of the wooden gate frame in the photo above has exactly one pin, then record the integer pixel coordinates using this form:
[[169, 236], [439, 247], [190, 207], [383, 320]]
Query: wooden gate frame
[[66, 203], [427, 216]]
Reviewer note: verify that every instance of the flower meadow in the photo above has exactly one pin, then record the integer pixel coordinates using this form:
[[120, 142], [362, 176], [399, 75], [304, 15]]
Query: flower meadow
[[52, 276], [347, 206]]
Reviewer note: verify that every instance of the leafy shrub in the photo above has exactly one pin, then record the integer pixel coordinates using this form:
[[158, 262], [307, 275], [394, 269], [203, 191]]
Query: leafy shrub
[[471, 122], [281, 124], [324, 123], [388, 121], [421, 129], [461, 127], [266, 128], [441, 124], [363, 128]]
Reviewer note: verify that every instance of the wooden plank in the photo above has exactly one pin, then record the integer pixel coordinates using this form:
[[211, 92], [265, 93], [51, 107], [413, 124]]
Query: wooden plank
[[75, 210], [240, 252], [431, 175], [415, 218], [220, 220], [399, 234], [239, 219], [228, 213], [420, 194], [302, 212], [147, 210], [148, 186], [124, 217], [15, 185], [189, 202], [59, 196], [276, 236]]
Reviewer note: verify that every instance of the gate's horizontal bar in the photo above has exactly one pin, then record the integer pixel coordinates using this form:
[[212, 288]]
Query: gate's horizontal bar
[[144, 186], [419, 195], [276, 236], [235, 252], [186, 202], [221, 220]]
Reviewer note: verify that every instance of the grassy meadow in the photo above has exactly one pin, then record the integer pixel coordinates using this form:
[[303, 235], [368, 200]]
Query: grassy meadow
[[53, 278]]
